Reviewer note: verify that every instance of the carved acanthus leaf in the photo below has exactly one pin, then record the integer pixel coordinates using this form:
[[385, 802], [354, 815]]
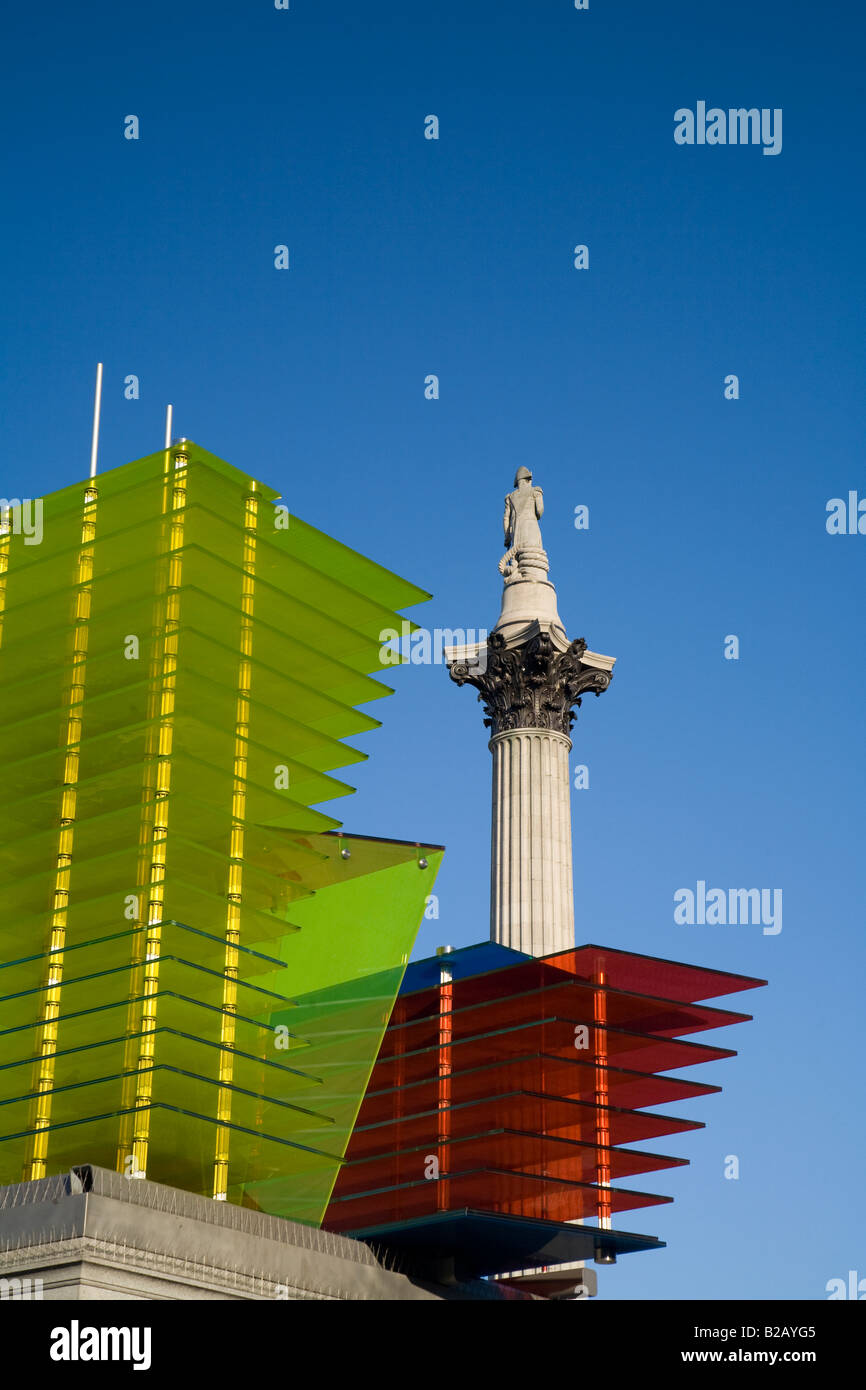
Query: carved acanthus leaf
[[532, 686]]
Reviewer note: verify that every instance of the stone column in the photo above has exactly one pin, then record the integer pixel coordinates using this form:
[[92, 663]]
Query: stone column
[[531, 890], [529, 690], [529, 678]]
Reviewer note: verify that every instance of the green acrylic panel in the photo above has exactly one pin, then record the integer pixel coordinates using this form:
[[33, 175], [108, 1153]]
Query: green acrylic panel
[[118, 949], [40, 685], [109, 1057], [351, 932]]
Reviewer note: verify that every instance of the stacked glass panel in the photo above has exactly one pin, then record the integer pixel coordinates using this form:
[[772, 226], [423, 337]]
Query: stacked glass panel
[[195, 969], [517, 1086]]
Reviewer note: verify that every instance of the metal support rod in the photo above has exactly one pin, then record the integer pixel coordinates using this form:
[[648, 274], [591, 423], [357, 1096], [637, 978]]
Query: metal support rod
[[97, 407]]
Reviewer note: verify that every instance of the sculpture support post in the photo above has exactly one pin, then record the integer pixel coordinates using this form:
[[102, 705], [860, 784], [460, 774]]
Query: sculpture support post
[[531, 890]]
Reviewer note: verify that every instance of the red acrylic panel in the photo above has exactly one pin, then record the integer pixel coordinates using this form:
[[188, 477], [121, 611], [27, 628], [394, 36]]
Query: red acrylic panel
[[669, 979], [544, 1155], [526, 1110], [554, 1035], [567, 998], [561, 1076], [488, 1189]]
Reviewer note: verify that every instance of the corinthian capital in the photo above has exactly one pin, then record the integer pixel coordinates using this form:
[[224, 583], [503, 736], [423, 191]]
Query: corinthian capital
[[533, 685]]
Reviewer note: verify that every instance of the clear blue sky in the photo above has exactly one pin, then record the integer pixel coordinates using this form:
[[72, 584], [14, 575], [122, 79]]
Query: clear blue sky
[[707, 516]]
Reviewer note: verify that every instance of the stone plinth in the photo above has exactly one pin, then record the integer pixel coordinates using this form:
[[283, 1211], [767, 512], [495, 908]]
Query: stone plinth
[[93, 1235]]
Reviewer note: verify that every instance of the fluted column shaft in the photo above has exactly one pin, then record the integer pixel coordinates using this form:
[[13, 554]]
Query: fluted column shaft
[[529, 691], [531, 888]]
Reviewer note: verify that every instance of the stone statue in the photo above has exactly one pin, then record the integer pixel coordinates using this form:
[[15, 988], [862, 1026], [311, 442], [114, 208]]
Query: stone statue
[[523, 509]]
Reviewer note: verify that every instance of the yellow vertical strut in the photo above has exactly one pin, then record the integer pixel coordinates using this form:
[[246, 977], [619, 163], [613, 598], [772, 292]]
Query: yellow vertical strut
[[236, 851], [37, 1148], [5, 540], [138, 961], [156, 889]]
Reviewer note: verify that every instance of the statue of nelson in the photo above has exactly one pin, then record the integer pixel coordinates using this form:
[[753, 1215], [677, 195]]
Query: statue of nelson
[[524, 507]]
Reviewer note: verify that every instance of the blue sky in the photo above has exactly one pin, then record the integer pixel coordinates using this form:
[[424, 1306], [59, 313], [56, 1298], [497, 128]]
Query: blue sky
[[707, 516]]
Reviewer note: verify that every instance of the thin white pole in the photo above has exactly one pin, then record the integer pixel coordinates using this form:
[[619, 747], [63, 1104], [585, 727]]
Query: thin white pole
[[168, 410], [97, 407]]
